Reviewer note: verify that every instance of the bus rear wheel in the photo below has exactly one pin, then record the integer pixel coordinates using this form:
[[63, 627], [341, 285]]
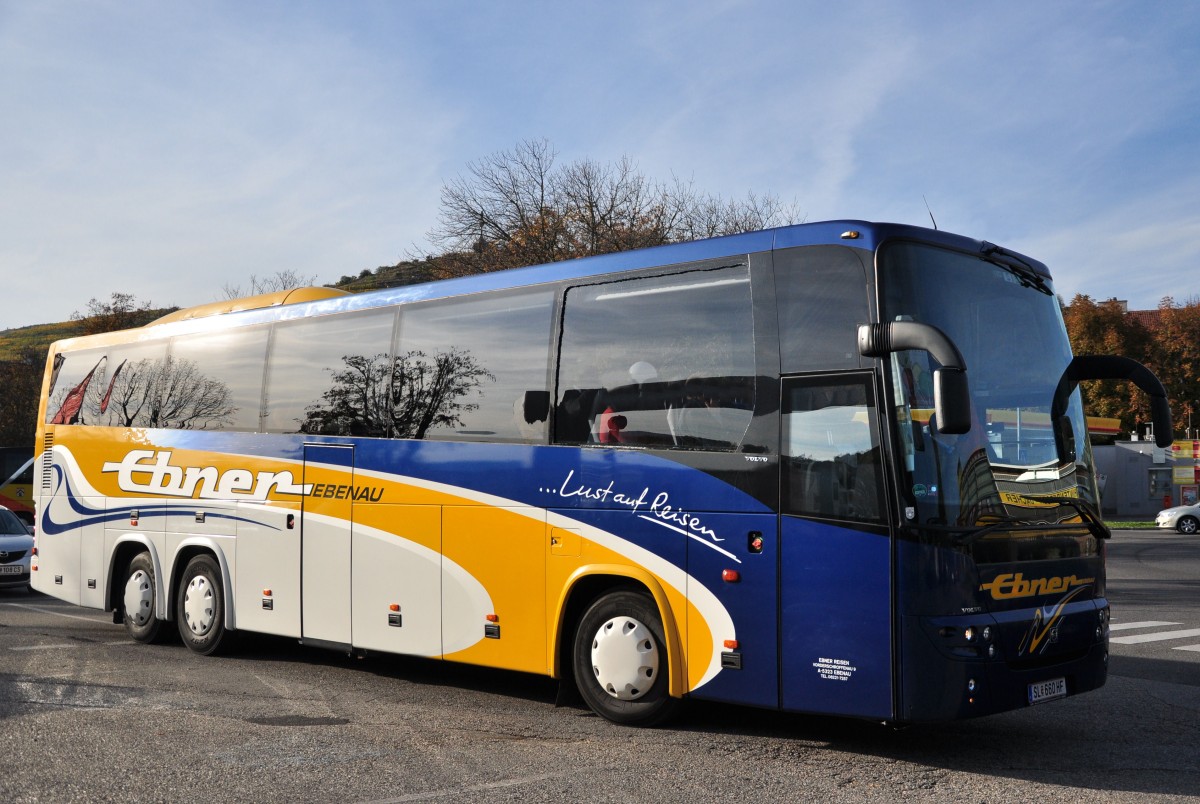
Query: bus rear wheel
[[138, 603], [200, 606], [620, 660]]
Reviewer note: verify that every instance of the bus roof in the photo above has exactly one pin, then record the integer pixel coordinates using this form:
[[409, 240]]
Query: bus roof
[[851, 233]]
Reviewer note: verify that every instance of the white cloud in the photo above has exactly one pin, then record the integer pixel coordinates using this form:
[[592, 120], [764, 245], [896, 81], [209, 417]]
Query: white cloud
[[1139, 250], [171, 150], [169, 167]]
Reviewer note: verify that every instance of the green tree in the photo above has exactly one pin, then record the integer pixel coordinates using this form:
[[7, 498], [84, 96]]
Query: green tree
[[1177, 359], [1104, 328], [21, 379]]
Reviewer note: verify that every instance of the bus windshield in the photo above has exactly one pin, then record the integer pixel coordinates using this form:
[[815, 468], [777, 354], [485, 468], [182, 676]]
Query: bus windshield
[[1014, 468]]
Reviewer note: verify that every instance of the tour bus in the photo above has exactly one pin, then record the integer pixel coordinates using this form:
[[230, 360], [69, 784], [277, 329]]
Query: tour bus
[[16, 480], [835, 467]]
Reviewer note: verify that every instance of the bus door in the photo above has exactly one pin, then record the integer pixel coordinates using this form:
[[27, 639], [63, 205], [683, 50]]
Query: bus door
[[835, 576], [326, 520]]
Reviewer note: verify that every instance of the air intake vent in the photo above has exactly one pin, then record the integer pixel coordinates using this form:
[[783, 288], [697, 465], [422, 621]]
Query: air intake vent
[[47, 462]]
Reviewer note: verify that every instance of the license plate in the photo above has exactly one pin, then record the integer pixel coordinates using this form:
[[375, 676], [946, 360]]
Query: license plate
[[1047, 690], [11, 569]]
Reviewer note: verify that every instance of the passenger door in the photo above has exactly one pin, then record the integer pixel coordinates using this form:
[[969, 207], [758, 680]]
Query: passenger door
[[326, 522], [836, 555]]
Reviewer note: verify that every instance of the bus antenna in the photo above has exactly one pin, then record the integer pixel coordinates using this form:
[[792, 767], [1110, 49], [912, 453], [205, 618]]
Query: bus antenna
[[930, 211]]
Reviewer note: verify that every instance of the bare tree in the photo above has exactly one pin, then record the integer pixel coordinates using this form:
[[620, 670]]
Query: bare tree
[[517, 207], [286, 279], [121, 312]]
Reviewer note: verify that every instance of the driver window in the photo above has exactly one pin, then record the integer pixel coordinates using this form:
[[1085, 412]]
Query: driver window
[[831, 450]]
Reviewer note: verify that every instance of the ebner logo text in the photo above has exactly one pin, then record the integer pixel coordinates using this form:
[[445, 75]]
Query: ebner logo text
[[146, 471], [1007, 585]]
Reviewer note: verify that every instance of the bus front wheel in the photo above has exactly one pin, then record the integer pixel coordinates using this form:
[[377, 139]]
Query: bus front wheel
[[620, 660], [200, 607], [141, 621]]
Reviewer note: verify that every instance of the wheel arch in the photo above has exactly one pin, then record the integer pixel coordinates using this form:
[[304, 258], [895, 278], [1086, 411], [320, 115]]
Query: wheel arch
[[123, 551], [586, 585]]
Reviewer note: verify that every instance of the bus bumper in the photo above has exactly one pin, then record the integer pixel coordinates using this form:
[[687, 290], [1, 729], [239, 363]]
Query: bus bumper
[[944, 678]]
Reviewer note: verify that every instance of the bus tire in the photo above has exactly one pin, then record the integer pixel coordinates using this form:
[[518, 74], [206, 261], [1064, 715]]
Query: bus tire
[[200, 606], [138, 604], [620, 660]]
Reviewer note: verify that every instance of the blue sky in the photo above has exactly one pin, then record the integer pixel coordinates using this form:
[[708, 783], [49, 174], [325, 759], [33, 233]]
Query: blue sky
[[171, 149]]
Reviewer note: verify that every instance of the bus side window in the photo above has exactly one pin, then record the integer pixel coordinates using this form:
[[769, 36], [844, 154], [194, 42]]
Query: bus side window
[[223, 372], [331, 375], [465, 368], [662, 361], [831, 450], [76, 387]]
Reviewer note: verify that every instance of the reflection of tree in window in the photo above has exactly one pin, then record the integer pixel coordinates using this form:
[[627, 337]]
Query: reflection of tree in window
[[357, 401], [423, 392], [166, 393]]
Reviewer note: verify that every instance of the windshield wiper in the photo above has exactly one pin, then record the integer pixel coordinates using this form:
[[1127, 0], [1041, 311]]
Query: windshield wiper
[[1094, 524], [968, 536], [1017, 266]]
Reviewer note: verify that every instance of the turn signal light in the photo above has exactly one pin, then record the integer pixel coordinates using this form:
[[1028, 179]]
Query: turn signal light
[[492, 618], [394, 607], [730, 576], [731, 644], [266, 593]]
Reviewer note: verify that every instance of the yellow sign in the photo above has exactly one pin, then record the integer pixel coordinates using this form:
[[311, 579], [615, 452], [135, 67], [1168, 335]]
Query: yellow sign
[[1012, 498], [1184, 474]]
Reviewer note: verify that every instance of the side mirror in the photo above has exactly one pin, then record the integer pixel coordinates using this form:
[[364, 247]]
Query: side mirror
[[1113, 367], [951, 393], [951, 400]]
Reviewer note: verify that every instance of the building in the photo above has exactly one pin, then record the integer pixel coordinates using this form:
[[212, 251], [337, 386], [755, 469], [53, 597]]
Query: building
[[1139, 479]]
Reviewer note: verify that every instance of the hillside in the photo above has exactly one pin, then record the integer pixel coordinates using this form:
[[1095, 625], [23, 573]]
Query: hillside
[[407, 272], [38, 337]]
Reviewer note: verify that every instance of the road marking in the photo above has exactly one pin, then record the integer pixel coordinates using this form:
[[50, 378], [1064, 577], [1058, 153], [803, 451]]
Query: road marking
[[1146, 624], [1158, 637], [80, 644], [60, 614], [1195, 648]]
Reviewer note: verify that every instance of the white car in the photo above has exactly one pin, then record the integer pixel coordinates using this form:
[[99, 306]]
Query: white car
[[16, 549], [1183, 518]]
